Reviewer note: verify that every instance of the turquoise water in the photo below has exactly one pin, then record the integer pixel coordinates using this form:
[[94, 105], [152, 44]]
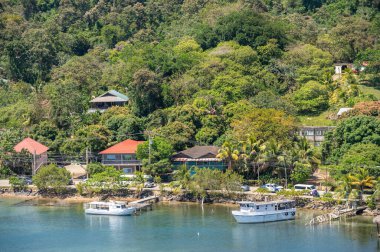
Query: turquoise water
[[35, 226]]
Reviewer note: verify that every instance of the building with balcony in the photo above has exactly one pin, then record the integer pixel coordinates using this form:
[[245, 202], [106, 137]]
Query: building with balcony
[[122, 156], [107, 100], [314, 134], [199, 156]]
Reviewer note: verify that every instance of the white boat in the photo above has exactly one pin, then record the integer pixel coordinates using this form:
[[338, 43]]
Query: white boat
[[108, 208], [257, 212]]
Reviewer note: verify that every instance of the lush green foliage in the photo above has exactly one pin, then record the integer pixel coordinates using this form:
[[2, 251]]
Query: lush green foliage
[[196, 72], [52, 177], [156, 161], [354, 130], [17, 184]]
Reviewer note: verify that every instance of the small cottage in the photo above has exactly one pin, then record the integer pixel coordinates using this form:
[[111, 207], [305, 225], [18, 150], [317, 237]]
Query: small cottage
[[107, 100], [340, 67], [122, 156], [199, 156]]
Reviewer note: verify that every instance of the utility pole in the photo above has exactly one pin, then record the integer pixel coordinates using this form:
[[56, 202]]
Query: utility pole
[[86, 156], [34, 163], [86, 162], [150, 144]]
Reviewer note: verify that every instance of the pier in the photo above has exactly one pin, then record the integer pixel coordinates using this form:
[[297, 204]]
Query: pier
[[144, 204], [335, 215]]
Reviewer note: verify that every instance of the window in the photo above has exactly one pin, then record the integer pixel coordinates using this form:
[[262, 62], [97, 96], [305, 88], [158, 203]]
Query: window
[[318, 133], [309, 132], [111, 157], [257, 207], [127, 157]]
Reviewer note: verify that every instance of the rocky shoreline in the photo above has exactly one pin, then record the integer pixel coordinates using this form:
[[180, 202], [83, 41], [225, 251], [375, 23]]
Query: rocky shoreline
[[211, 198]]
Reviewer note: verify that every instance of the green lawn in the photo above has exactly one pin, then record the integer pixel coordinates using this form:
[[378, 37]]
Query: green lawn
[[370, 90], [320, 120]]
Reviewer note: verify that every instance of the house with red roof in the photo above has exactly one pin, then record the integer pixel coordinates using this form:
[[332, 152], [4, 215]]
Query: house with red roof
[[122, 156], [38, 150]]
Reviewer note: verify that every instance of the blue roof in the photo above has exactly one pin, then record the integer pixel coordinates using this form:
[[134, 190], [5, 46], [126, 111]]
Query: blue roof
[[120, 95], [111, 96]]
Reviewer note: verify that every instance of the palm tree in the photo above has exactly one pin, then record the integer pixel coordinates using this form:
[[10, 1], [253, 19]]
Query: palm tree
[[344, 187], [361, 179], [183, 175], [306, 153], [229, 153], [254, 150]]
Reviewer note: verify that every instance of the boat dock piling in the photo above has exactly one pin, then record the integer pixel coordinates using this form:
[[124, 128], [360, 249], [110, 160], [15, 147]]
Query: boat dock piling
[[144, 204]]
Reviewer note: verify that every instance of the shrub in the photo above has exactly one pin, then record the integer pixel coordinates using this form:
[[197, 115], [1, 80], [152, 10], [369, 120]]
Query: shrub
[[17, 184], [327, 197], [5, 172], [262, 190], [291, 193], [52, 177]]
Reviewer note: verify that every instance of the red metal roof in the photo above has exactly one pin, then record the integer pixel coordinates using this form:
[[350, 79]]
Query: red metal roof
[[126, 147], [32, 146]]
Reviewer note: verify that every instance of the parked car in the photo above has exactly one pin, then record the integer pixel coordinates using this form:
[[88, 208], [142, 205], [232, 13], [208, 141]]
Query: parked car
[[27, 180], [245, 188], [272, 187], [301, 187], [149, 185]]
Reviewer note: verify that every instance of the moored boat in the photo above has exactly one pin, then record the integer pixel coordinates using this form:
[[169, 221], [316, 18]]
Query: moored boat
[[108, 208], [257, 212]]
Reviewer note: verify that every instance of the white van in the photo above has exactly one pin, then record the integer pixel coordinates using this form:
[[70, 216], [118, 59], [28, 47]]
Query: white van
[[300, 187]]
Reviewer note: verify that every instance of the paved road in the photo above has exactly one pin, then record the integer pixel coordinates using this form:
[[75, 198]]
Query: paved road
[[4, 182]]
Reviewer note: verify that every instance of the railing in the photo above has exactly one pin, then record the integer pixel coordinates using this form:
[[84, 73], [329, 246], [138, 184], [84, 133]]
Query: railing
[[121, 162]]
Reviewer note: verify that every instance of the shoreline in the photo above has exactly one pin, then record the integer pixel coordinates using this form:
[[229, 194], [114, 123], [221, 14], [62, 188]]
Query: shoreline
[[52, 201], [80, 199]]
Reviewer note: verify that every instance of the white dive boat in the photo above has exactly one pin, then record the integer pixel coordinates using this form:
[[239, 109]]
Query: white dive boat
[[108, 208], [255, 212]]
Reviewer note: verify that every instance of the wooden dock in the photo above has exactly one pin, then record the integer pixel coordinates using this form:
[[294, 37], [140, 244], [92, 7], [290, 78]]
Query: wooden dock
[[335, 215], [144, 204]]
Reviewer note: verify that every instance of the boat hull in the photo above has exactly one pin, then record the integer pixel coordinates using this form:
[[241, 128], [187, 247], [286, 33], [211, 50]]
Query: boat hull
[[121, 212], [247, 217]]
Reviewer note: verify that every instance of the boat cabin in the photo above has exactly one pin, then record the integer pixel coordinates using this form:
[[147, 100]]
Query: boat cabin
[[267, 206], [105, 205]]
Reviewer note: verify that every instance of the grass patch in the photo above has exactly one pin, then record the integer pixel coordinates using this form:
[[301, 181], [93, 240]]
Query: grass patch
[[320, 120], [370, 91]]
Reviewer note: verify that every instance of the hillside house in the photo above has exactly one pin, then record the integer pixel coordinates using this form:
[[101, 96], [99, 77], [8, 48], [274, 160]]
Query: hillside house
[[340, 67], [107, 100], [314, 134], [122, 156], [199, 156], [38, 150]]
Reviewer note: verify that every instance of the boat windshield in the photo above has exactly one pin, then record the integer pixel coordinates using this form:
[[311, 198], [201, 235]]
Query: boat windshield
[[286, 205], [246, 205]]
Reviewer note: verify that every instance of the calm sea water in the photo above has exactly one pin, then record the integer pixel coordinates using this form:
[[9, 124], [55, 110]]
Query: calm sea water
[[35, 226]]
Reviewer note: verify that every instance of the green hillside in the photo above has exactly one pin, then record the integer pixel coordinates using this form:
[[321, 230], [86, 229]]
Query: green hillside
[[195, 71]]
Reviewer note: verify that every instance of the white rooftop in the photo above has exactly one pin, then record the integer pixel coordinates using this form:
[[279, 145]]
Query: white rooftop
[[342, 111]]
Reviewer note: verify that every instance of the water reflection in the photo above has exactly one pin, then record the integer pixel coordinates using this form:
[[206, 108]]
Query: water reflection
[[113, 223], [173, 227]]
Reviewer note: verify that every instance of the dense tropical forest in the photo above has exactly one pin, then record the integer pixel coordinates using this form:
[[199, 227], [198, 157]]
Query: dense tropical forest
[[239, 74]]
